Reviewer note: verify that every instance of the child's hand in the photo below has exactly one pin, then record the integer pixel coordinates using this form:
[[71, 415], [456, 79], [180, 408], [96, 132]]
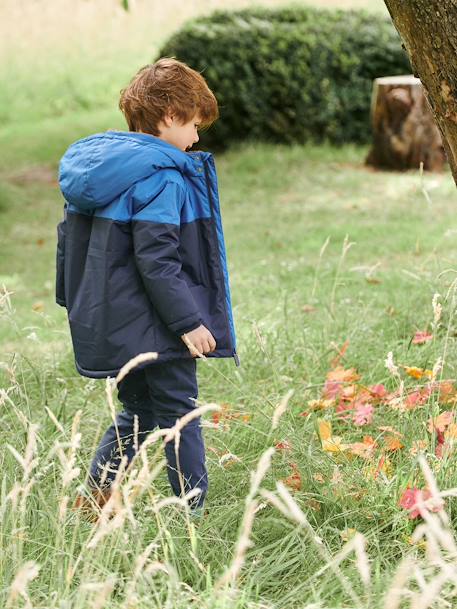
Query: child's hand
[[199, 341]]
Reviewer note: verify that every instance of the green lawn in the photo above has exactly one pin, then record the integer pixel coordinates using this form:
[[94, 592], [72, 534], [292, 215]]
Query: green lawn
[[280, 205]]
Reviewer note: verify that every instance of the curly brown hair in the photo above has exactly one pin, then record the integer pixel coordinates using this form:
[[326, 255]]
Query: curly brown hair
[[167, 86]]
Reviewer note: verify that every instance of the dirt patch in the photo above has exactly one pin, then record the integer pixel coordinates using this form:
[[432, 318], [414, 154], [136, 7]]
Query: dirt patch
[[38, 174]]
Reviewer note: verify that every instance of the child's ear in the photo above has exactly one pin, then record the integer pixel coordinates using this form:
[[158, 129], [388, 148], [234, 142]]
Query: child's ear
[[168, 119]]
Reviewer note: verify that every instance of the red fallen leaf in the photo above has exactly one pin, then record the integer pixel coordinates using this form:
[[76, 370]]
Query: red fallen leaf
[[363, 414], [284, 445], [344, 410], [332, 390], [421, 337], [294, 480], [216, 416], [378, 391], [410, 499], [417, 398], [305, 413]]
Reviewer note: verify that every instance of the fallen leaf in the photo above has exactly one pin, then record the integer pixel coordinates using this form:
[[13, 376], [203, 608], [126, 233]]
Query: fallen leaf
[[363, 414], [284, 445], [340, 354], [392, 444], [331, 444], [378, 391], [421, 337], [440, 422], [417, 373], [364, 449], [313, 504], [319, 478], [307, 308], [38, 306], [412, 496], [294, 480], [325, 429], [321, 404], [343, 375], [451, 432]]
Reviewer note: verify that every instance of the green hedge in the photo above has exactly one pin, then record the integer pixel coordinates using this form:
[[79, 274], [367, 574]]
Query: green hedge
[[290, 75]]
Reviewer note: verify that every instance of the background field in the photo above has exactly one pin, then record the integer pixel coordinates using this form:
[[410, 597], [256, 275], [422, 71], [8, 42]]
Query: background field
[[295, 304]]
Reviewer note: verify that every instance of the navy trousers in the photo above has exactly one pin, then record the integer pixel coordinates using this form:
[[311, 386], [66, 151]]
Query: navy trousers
[[159, 395]]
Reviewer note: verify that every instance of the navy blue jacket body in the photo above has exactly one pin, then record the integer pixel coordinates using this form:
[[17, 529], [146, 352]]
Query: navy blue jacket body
[[141, 256]]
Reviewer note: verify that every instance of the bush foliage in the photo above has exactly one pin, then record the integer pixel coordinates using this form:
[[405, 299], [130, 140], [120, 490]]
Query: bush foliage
[[290, 75]]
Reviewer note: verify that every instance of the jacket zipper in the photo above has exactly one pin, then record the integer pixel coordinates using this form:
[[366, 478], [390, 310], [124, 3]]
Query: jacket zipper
[[211, 204]]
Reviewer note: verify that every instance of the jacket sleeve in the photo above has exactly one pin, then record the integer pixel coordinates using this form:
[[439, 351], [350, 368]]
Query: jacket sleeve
[[60, 261], [156, 233]]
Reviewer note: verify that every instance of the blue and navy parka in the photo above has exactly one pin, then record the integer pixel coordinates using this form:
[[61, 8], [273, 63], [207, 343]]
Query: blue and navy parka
[[141, 256]]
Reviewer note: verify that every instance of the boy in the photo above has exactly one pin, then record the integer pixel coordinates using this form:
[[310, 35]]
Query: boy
[[141, 266]]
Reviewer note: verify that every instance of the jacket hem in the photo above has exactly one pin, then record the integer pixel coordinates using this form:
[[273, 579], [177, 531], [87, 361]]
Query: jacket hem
[[162, 358]]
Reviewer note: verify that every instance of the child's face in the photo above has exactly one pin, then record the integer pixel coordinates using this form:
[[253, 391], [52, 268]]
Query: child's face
[[181, 135]]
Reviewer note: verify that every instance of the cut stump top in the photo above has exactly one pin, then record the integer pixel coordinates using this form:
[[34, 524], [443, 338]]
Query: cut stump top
[[407, 79]]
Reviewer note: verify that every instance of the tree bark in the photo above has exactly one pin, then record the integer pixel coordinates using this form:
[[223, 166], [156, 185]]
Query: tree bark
[[404, 130], [429, 32]]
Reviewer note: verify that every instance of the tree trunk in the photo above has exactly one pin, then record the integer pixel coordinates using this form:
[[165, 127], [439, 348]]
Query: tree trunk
[[429, 32], [404, 130]]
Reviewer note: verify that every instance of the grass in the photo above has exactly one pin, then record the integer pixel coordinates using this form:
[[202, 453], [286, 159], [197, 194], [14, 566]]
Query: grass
[[280, 205], [299, 292]]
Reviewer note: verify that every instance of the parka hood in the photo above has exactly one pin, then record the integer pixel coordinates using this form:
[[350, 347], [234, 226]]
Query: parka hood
[[97, 169]]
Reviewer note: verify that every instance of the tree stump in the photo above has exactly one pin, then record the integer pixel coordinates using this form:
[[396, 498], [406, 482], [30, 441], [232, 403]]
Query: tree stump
[[404, 131]]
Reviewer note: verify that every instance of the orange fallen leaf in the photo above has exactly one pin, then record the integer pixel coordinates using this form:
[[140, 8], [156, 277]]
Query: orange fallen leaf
[[343, 375], [392, 444], [440, 422], [417, 373], [364, 449], [340, 354], [451, 432]]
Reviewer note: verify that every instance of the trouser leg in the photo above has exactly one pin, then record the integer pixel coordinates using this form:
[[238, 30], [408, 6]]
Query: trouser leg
[[159, 395], [134, 395], [173, 389]]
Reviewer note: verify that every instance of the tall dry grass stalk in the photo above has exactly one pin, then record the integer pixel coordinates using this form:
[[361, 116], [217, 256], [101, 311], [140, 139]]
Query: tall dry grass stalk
[[281, 409], [251, 506], [318, 266], [344, 251]]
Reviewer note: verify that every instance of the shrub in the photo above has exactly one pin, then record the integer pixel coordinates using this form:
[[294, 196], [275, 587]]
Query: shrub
[[290, 75]]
